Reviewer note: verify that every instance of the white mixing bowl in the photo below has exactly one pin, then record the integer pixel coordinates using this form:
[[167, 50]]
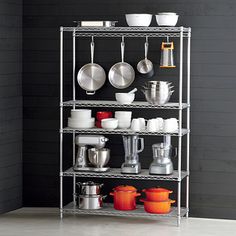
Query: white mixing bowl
[[138, 19]]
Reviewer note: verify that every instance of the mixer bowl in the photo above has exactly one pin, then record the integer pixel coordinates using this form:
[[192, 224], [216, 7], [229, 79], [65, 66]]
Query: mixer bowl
[[99, 157]]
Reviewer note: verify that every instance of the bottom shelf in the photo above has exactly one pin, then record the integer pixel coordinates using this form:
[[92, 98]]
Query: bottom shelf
[[108, 210]]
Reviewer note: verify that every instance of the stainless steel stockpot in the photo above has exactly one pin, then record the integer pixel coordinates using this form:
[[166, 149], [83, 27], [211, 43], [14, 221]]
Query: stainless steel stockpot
[[90, 202], [90, 188]]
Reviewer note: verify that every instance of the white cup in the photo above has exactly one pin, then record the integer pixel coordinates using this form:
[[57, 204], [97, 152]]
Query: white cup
[[151, 125], [170, 125], [142, 123], [159, 124], [135, 125], [124, 119]]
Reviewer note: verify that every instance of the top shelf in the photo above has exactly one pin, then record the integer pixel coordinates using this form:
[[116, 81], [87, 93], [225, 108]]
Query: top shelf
[[128, 31]]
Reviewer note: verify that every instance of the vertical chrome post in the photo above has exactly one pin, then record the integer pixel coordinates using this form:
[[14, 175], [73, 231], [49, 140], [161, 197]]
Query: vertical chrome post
[[61, 122], [74, 98], [188, 120], [180, 125]]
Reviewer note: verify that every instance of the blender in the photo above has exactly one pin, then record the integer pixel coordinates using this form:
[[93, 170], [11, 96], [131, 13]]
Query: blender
[[162, 154], [132, 164]]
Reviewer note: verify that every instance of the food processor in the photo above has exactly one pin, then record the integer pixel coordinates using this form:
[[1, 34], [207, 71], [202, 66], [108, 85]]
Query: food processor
[[162, 154], [132, 164]]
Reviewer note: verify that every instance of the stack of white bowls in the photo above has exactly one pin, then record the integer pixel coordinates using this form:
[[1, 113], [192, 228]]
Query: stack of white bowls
[[124, 119], [81, 119]]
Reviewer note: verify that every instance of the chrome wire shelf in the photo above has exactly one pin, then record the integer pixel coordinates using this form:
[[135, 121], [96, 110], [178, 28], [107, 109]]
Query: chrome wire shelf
[[115, 173], [108, 210], [120, 131], [114, 104], [128, 31]]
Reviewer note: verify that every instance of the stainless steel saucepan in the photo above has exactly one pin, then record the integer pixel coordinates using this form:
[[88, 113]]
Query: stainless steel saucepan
[[122, 74], [92, 76], [145, 66], [90, 188]]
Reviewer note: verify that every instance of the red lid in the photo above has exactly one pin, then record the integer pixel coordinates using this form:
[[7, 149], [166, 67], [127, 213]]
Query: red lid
[[125, 188], [158, 190]]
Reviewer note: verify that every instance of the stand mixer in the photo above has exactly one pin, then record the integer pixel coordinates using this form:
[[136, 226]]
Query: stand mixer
[[98, 142], [162, 154], [132, 164]]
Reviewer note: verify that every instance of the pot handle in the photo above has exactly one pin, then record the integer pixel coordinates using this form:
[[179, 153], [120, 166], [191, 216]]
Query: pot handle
[[90, 92], [103, 197], [137, 194], [172, 201], [170, 191], [111, 194], [144, 190], [141, 200]]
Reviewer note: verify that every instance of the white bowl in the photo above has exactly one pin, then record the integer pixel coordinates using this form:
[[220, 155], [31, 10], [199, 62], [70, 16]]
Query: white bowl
[[110, 123], [167, 19], [138, 19], [123, 115], [124, 124], [125, 98], [81, 114], [81, 124]]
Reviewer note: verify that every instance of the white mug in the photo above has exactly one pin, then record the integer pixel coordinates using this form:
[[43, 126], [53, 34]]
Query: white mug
[[170, 125], [151, 125], [142, 123], [135, 125], [159, 124]]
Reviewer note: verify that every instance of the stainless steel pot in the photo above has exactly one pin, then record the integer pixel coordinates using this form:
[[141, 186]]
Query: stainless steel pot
[[90, 202], [92, 76], [122, 74], [90, 188]]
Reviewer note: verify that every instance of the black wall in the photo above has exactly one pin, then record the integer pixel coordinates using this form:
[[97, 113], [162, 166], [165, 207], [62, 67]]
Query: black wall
[[10, 105], [213, 165]]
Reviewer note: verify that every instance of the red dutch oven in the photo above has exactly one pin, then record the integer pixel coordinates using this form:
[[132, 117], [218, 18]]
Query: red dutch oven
[[157, 194], [125, 197]]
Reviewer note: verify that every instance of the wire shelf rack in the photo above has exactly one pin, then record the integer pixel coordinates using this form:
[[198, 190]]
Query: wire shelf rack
[[114, 104], [128, 31], [116, 173], [108, 210], [120, 131]]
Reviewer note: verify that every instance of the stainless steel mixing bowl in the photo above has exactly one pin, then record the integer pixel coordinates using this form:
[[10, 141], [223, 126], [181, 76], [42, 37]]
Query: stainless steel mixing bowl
[[157, 97], [99, 157]]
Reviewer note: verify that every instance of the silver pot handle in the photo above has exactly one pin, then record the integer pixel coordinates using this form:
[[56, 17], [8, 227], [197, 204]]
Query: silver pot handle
[[90, 92], [103, 197], [122, 50]]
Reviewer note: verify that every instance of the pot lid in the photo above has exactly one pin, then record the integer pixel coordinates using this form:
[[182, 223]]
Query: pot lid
[[158, 190], [125, 188]]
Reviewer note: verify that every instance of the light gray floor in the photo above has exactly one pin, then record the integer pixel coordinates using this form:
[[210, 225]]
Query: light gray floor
[[46, 222]]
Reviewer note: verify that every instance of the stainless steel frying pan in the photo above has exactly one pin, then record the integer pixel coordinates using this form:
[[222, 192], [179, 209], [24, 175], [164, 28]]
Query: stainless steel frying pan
[[92, 76], [122, 74]]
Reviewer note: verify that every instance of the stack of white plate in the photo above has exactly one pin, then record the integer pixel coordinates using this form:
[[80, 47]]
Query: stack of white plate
[[81, 119]]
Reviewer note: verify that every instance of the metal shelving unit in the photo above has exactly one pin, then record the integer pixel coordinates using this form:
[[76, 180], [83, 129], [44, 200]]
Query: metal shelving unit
[[182, 33]]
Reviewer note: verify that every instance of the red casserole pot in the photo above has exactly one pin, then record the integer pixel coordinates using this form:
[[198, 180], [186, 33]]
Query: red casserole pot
[[125, 198], [157, 207], [157, 194]]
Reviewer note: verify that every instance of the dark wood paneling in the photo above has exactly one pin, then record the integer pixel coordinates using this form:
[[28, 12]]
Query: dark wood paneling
[[213, 93], [10, 105]]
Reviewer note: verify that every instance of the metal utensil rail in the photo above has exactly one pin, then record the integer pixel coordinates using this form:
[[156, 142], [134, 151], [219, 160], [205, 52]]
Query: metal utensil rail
[[174, 32]]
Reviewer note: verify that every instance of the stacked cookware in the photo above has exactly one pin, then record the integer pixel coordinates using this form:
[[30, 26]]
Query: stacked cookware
[[90, 197], [157, 200], [157, 92]]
